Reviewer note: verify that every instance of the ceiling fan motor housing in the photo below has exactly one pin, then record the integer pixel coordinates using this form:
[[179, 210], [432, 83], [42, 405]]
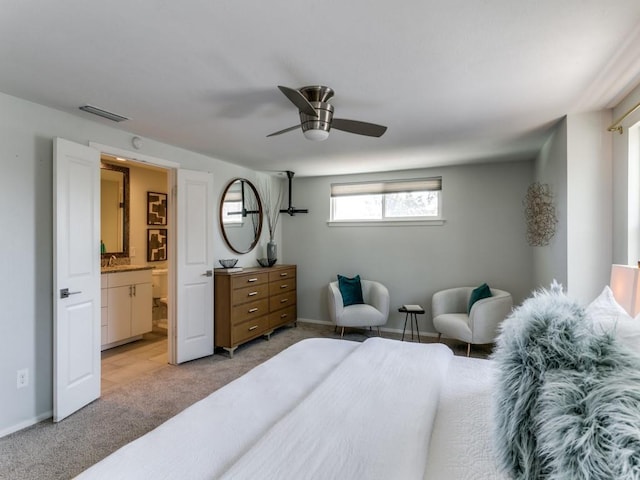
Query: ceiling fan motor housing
[[322, 121], [317, 93]]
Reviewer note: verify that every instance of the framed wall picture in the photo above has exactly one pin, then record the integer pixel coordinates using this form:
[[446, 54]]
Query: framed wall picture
[[156, 208], [157, 245]]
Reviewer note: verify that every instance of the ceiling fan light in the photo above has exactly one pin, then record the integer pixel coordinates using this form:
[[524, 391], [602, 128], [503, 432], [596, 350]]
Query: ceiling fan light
[[316, 135]]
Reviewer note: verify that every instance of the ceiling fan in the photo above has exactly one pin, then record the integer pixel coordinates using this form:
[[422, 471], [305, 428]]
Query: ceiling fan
[[316, 115]]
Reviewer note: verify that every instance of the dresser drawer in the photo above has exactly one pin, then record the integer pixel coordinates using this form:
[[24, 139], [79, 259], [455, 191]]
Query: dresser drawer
[[281, 286], [246, 311], [282, 317], [250, 294], [248, 329], [242, 281], [282, 274], [276, 302]]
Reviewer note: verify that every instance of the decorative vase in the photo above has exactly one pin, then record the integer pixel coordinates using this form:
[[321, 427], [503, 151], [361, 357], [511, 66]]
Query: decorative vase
[[272, 250]]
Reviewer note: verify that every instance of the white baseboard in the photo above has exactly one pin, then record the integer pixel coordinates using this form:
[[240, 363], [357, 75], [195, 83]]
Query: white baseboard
[[383, 329], [26, 423]]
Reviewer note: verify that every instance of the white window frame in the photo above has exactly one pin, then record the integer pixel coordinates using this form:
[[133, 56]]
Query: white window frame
[[384, 187]]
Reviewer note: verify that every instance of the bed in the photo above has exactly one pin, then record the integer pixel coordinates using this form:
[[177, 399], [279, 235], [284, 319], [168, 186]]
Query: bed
[[559, 399], [329, 408]]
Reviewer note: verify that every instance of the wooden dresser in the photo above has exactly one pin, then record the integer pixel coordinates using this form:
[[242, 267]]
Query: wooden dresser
[[253, 302]]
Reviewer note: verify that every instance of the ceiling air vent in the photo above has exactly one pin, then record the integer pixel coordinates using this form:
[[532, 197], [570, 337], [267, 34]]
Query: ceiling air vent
[[103, 113]]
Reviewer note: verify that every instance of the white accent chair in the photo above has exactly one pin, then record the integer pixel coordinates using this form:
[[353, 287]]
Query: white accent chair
[[372, 313], [450, 318]]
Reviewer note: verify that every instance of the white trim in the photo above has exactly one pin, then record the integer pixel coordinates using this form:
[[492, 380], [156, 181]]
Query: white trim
[[382, 329], [26, 423], [386, 223], [317, 322], [137, 156]]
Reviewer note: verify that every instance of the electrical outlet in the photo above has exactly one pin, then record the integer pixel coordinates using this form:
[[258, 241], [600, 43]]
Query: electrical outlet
[[23, 378]]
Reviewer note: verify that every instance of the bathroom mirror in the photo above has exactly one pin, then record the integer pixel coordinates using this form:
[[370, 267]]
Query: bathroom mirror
[[240, 215], [114, 209]]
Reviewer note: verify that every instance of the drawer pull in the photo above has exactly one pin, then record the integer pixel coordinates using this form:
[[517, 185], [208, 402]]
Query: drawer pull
[[251, 280], [284, 286], [251, 310], [253, 328], [251, 294], [284, 300], [284, 274], [284, 315]]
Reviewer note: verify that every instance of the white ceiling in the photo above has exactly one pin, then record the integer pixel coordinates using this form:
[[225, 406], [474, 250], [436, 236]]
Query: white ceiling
[[454, 80]]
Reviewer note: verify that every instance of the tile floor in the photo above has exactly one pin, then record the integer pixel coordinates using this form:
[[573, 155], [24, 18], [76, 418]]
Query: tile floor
[[125, 363]]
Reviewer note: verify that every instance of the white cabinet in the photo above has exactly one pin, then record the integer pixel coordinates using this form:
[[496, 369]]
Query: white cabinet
[[141, 307], [129, 303]]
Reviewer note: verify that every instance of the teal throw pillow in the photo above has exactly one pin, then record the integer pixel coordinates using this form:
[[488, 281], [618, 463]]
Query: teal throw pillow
[[350, 289], [483, 291]]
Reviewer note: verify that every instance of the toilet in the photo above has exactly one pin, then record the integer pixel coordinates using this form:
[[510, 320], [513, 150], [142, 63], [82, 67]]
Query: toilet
[[160, 292]]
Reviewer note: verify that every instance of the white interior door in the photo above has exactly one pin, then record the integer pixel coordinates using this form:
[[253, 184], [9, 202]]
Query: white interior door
[[194, 280], [76, 277]]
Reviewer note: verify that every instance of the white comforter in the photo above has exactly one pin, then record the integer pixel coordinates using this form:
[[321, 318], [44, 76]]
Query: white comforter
[[326, 409], [370, 419]]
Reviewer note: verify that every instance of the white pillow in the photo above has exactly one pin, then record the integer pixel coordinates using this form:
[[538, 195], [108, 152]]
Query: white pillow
[[607, 315]]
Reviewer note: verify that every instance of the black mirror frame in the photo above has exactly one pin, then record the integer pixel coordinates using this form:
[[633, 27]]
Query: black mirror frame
[[259, 213]]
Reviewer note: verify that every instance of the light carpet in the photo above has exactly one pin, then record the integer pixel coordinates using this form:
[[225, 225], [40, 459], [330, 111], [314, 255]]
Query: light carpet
[[62, 450]]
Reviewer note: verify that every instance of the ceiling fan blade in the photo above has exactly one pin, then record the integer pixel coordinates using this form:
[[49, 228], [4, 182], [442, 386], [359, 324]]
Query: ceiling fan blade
[[361, 128], [284, 131], [299, 100]]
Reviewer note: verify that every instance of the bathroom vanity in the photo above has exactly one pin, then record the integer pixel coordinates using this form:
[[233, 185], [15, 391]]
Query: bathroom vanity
[[126, 304]]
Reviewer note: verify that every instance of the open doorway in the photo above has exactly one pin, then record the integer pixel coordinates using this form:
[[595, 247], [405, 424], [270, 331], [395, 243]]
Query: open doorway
[[77, 273], [136, 269]]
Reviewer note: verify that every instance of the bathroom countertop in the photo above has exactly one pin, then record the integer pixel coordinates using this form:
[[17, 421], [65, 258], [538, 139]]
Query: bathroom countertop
[[124, 268]]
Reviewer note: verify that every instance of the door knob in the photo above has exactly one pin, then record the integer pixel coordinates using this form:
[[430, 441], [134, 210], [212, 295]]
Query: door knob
[[64, 293], [208, 273]]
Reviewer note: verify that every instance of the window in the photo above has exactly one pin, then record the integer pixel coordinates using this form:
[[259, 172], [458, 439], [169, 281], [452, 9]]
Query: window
[[232, 206], [398, 200]]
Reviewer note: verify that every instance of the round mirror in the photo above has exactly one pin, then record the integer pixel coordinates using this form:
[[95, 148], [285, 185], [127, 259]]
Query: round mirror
[[241, 215]]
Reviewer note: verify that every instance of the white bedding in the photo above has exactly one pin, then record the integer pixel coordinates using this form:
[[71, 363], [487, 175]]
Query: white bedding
[[328, 408], [460, 444], [369, 419]]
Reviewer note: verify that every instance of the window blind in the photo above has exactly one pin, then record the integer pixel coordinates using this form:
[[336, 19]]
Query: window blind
[[394, 186]]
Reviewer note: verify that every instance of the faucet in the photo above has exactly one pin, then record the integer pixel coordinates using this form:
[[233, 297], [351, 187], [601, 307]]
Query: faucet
[[111, 260]]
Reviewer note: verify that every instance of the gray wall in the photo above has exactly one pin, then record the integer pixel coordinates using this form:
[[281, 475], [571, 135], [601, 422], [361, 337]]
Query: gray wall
[[482, 240], [550, 261], [589, 204], [577, 164]]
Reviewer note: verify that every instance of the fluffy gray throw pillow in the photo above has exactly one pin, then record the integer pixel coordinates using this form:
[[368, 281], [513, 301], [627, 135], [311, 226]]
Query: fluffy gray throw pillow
[[588, 424], [567, 403], [546, 332]]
